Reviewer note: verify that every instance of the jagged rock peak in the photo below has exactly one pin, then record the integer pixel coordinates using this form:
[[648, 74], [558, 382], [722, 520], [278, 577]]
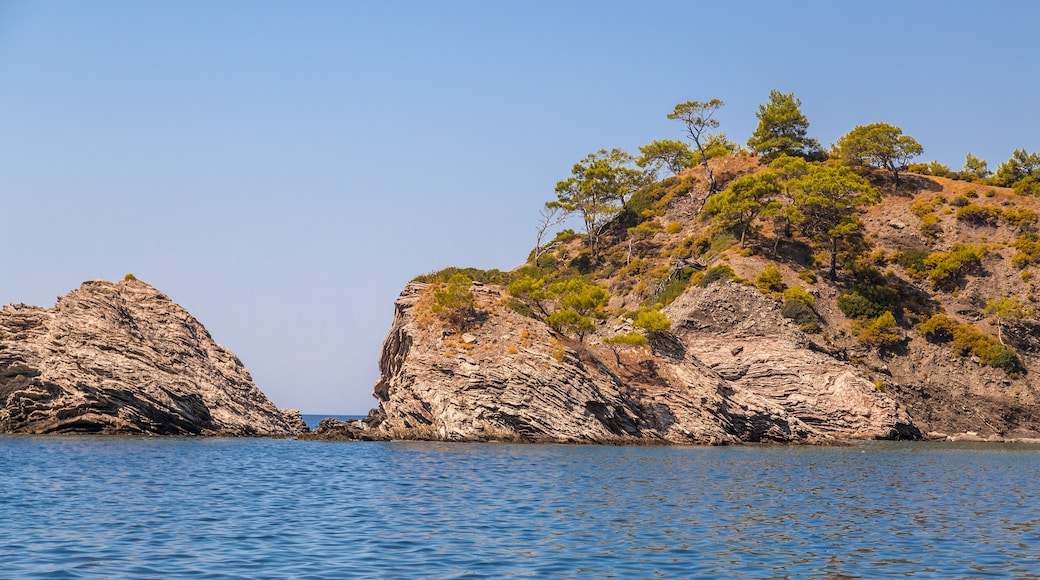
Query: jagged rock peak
[[122, 357]]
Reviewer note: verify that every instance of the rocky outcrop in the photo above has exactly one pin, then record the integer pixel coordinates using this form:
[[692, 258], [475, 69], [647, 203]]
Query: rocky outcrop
[[511, 378], [740, 334], [124, 358]]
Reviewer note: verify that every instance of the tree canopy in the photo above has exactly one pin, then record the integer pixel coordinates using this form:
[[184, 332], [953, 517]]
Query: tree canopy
[[675, 155], [782, 129], [699, 117], [746, 199], [879, 145], [598, 188], [826, 199]]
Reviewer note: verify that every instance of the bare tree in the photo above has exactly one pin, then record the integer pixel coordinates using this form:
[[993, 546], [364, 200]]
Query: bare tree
[[551, 215], [698, 118]]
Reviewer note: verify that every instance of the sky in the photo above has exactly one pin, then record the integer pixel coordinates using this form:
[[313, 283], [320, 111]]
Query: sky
[[282, 169]]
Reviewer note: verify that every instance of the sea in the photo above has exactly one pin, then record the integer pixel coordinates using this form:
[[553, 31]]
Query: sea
[[215, 508]]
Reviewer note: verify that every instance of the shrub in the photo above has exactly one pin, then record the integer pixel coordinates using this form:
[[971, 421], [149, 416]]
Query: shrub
[[868, 298], [946, 269], [632, 338], [807, 276], [569, 321], [565, 235], [580, 296], [931, 226], [913, 261], [938, 328], [1003, 358], [979, 215], [921, 208], [454, 302], [652, 321], [1019, 217], [770, 279], [129, 278], [1028, 246], [722, 240], [799, 294], [674, 228], [879, 332], [801, 313], [720, 272], [1027, 186], [969, 340], [472, 274]]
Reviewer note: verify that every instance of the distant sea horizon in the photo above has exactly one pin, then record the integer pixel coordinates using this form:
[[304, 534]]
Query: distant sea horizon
[[312, 419]]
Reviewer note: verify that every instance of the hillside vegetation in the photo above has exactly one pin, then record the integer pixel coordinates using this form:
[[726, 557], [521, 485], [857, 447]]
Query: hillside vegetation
[[915, 272]]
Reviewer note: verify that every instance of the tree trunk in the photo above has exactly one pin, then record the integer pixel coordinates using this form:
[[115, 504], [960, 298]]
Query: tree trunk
[[834, 259]]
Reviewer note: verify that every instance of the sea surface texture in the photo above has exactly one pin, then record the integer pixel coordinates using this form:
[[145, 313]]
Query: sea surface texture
[[106, 507]]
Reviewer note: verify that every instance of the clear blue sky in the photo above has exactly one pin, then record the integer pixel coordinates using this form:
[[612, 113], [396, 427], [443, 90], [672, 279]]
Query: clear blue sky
[[283, 168]]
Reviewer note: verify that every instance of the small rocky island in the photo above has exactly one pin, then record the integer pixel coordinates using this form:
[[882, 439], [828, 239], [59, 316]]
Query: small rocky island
[[122, 358], [779, 293], [717, 294]]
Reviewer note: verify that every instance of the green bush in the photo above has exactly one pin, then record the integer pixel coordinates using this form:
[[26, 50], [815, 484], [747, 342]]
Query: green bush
[[912, 261], [566, 235], [938, 328], [801, 313], [921, 208], [632, 338], [1028, 246], [652, 321], [879, 332], [455, 303], [1027, 186], [770, 279], [129, 278], [931, 226], [473, 274], [569, 321], [1019, 217], [979, 215], [947, 269], [969, 340], [799, 294], [868, 298], [720, 272]]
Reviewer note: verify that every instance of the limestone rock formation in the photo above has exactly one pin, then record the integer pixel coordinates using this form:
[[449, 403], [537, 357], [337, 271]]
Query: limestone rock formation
[[511, 378], [124, 358], [740, 334]]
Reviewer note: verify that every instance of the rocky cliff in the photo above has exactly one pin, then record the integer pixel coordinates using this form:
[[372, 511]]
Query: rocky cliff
[[124, 358], [511, 378], [928, 329]]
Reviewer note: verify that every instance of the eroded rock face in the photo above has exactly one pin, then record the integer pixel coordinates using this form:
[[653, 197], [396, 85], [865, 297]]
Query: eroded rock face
[[123, 358], [510, 378], [740, 334]]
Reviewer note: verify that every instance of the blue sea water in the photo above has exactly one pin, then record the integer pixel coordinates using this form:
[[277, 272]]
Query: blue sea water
[[109, 507]]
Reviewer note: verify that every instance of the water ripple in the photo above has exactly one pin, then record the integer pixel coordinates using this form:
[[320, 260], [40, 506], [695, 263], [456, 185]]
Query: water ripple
[[225, 508]]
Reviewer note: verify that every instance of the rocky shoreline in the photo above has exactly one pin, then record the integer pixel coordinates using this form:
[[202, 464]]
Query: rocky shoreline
[[122, 358]]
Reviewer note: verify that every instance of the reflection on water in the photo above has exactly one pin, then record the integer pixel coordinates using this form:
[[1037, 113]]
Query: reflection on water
[[221, 508]]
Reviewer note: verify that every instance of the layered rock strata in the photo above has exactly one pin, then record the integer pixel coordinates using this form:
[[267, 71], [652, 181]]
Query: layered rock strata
[[511, 378], [124, 358]]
